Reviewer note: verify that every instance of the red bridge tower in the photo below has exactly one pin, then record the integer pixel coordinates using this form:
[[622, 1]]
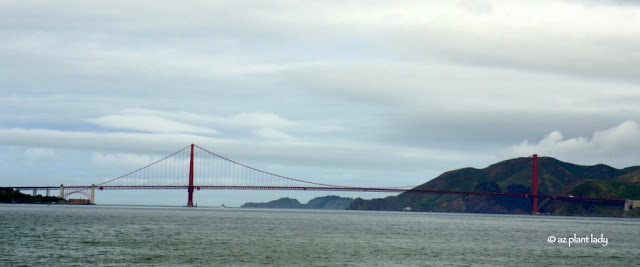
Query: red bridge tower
[[534, 185], [190, 188]]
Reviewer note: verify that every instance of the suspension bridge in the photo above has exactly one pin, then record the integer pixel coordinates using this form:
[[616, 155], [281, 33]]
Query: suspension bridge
[[194, 168]]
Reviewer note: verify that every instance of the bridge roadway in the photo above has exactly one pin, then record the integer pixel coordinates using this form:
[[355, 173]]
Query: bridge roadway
[[319, 188]]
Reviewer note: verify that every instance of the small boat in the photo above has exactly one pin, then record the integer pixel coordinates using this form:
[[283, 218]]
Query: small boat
[[222, 207]]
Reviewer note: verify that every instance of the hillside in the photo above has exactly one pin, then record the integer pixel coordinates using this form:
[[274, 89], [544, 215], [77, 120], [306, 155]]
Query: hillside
[[327, 202], [514, 176]]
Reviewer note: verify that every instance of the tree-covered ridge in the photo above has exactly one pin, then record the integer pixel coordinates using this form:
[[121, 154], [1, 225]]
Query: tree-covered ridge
[[9, 195], [514, 176]]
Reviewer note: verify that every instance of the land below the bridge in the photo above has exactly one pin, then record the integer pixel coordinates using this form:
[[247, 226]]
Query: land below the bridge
[[9, 195], [555, 178], [327, 202]]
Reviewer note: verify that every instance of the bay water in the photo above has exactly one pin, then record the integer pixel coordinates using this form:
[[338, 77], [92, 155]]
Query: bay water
[[67, 235]]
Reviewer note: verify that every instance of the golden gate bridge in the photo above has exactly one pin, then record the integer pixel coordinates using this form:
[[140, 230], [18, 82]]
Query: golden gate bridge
[[194, 168]]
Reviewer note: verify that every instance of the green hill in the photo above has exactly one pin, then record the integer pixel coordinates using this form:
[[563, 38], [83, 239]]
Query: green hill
[[514, 176], [283, 203], [327, 202]]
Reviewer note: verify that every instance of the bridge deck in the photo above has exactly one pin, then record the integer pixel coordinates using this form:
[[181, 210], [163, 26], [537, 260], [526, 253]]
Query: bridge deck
[[320, 188]]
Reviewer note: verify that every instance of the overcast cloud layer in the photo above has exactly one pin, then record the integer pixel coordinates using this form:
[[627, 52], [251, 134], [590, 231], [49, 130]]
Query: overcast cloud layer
[[364, 93]]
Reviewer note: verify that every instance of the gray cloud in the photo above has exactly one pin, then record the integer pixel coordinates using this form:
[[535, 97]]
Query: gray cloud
[[343, 155], [604, 146]]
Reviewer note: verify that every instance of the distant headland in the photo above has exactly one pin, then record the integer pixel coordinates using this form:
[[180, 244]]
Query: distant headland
[[327, 202]]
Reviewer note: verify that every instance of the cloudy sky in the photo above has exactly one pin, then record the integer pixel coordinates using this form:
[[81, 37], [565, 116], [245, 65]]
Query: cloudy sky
[[363, 93]]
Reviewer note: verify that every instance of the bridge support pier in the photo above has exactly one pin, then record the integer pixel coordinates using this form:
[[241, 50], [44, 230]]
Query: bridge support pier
[[62, 191], [35, 192], [93, 194], [190, 188], [534, 185], [48, 192]]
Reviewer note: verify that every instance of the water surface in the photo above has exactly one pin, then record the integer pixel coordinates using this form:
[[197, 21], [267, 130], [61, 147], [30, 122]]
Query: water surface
[[64, 235]]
